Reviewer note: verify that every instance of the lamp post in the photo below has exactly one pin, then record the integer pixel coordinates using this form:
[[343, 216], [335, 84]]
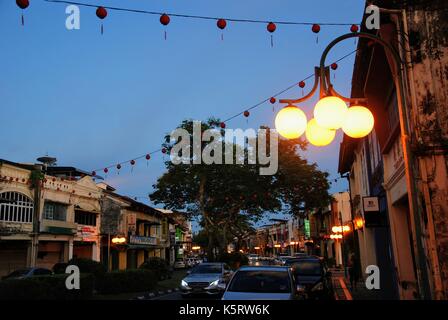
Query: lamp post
[[326, 89]]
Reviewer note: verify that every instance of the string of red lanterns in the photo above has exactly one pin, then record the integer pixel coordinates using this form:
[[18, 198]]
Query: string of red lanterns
[[246, 113], [221, 23]]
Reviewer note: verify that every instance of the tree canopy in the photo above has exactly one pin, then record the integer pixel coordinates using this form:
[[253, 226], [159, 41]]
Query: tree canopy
[[227, 197]]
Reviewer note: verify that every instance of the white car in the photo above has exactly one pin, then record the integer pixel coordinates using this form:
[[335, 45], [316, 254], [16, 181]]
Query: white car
[[261, 283], [179, 264]]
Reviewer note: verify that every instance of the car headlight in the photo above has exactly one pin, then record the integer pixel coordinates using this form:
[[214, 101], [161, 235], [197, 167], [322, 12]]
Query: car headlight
[[184, 284], [214, 283], [318, 287]]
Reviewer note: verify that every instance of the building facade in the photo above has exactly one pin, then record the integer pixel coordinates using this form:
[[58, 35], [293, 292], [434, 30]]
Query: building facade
[[408, 182]]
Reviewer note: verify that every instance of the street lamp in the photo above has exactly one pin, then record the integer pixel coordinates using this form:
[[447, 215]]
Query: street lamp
[[317, 135], [330, 113], [290, 122]]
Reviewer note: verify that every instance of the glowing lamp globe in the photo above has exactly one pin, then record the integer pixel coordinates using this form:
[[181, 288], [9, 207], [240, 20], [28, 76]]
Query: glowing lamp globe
[[318, 135], [358, 122], [290, 122], [330, 112]]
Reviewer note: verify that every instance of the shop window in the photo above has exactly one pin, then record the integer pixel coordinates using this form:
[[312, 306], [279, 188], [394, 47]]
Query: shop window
[[85, 218], [55, 211]]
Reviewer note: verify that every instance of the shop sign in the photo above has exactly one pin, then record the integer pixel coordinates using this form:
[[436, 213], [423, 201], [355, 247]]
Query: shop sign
[[307, 229], [131, 221], [143, 240], [87, 233]]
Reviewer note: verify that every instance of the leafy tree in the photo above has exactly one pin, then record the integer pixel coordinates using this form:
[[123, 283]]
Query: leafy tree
[[229, 197]]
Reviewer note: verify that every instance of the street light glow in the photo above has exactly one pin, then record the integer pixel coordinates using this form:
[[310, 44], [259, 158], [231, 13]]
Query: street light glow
[[330, 112], [318, 135], [118, 240], [290, 122], [358, 122]]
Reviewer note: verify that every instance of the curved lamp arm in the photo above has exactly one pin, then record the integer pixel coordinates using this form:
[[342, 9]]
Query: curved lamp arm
[[323, 78], [310, 94]]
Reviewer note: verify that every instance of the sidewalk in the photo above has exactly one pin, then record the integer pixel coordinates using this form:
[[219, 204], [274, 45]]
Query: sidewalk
[[343, 291]]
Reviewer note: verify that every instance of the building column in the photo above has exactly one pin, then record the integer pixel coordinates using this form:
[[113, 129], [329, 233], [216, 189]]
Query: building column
[[95, 251], [70, 249]]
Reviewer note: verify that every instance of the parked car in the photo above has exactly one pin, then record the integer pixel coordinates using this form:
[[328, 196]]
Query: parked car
[[253, 258], [27, 273], [206, 278], [282, 259], [291, 260], [261, 283], [179, 264], [313, 279], [191, 262]]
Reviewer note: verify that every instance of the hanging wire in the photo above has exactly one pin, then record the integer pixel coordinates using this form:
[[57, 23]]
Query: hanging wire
[[82, 4], [238, 114]]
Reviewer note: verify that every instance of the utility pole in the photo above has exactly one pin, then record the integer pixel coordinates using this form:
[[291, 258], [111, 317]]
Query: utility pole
[[36, 180]]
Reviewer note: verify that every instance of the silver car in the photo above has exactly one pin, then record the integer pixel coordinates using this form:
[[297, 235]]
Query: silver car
[[206, 278], [261, 283]]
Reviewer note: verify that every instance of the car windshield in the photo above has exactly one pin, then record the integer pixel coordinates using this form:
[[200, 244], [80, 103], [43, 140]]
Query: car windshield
[[207, 268], [19, 273], [307, 268], [261, 282]]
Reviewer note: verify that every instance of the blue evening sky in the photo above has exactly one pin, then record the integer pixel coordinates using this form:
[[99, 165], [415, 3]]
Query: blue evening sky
[[93, 100]]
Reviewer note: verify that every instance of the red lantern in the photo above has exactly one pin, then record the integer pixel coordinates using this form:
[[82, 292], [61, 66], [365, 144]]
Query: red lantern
[[271, 28], [106, 170], [246, 113], [164, 150], [302, 84], [315, 28], [148, 156], [132, 162], [93, 173], [118, 168], [221, 23], [222, 125], [354, 28], [165, 19], [334, 66], [23, 4], [272, 100], [101, 13]]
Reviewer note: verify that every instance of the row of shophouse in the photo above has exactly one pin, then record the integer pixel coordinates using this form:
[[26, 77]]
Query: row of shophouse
[[314, 233], [51, 214], [401, 191]]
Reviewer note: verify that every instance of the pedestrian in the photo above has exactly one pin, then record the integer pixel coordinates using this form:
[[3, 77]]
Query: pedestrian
[[353, 270]]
